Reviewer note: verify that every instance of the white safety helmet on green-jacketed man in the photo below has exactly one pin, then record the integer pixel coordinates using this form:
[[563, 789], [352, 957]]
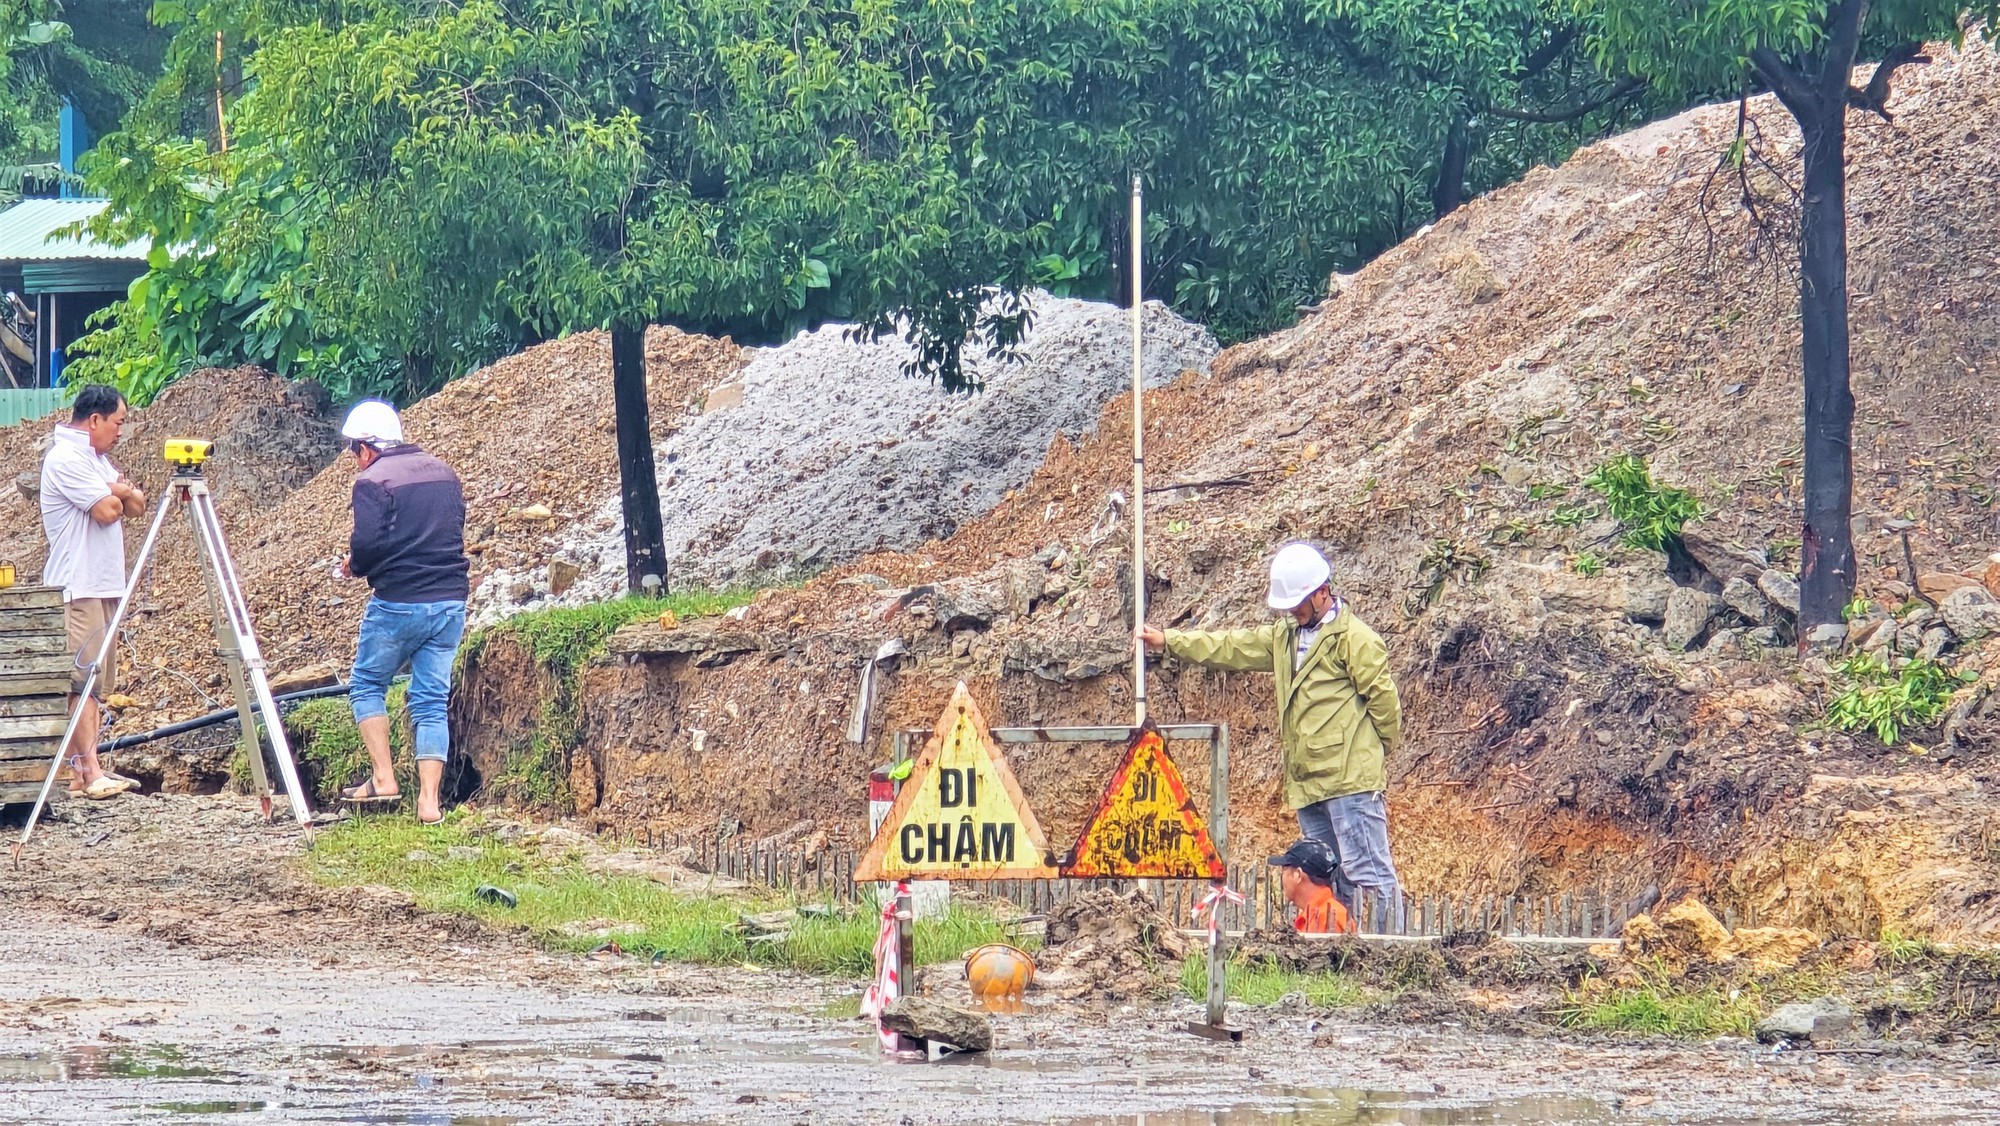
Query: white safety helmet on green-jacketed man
[[1296, 571], [372, 421]]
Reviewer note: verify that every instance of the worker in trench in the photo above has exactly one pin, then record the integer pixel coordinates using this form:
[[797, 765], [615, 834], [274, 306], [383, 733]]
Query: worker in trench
[[1338, 717], [85, 501], [1306, 873], [409, 543]]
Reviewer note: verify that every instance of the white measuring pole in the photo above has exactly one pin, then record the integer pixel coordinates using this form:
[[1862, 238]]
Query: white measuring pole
[[1138, 462]]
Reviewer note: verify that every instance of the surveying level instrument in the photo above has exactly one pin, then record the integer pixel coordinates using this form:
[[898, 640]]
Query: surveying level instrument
[[234, 635]]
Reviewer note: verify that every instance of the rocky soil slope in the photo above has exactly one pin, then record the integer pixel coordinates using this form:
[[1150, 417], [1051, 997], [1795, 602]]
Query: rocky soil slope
[[1431, 425]]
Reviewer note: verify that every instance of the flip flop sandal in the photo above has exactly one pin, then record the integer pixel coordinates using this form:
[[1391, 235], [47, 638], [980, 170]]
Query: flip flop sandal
[[438, 821], [104, 788], [364, 793]]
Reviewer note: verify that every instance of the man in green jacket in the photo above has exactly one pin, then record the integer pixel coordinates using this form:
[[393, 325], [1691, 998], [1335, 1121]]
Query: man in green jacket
[[1338, 715]]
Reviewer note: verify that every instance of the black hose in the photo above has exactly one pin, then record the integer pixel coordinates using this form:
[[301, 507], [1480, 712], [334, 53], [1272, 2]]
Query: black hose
[[213, 718]]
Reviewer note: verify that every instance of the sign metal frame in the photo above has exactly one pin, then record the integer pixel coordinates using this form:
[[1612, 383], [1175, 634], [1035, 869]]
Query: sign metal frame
[[1217, 736]]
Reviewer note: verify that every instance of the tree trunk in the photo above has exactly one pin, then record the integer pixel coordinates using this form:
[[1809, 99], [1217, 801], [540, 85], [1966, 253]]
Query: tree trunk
[[639, 485], [1449, 190], [1827, 582]]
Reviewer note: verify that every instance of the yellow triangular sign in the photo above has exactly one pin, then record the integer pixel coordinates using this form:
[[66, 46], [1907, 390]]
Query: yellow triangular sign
[[1145, 825], [960, 814]]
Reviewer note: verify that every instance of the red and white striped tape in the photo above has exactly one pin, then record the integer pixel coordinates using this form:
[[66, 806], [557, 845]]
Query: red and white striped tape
[[1211, 905], [888, 983]]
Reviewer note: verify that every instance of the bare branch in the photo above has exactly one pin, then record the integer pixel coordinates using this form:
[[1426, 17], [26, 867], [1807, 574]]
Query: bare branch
[[1548, 53], [1625, 88], [1784, 80], [1875, 96]]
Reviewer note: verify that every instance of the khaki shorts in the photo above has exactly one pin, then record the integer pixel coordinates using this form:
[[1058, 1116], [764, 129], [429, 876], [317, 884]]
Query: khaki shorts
[[86, 619]]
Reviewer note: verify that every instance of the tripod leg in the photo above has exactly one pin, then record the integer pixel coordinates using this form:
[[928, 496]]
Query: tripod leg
[[237, 612], [90, 679], [232, 660]]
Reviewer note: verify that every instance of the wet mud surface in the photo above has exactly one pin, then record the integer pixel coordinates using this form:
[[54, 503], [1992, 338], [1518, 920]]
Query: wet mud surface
[[208, 982]]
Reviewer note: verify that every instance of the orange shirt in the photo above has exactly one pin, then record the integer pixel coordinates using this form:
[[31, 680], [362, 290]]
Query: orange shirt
[[1322, 913]]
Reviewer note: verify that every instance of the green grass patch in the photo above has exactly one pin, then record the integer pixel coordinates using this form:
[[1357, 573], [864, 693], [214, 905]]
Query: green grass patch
[[1263, 983], [565, 908], [328, 744], [1660, 1008], [562, 640]]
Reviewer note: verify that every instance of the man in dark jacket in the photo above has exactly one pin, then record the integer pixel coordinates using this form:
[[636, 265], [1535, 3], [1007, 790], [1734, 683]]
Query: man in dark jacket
[[409, 543]]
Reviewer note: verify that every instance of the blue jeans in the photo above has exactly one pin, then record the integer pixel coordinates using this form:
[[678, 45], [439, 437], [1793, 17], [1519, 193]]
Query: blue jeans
[[424, 636], [1356, 828]]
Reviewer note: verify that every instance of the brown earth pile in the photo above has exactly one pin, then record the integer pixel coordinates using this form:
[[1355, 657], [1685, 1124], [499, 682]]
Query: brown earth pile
[[532, 430], [1109, 946], [1434, 434], [272, 436]]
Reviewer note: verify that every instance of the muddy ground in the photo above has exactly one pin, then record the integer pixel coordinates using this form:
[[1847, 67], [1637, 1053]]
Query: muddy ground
[[163, 959]]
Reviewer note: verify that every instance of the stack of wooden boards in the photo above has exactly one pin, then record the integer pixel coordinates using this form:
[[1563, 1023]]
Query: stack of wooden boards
[[35, 665]]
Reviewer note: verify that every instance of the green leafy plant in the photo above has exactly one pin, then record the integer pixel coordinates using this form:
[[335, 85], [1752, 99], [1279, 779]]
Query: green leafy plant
[[1572, 515], [1861, 607], [1587, 564], [1885, 701], [1652, 513]]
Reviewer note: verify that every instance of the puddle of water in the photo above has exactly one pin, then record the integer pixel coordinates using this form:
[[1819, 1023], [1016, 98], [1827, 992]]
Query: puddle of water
[[90, 1061], [1375, 1108], [421, 1119], [217, 1107]]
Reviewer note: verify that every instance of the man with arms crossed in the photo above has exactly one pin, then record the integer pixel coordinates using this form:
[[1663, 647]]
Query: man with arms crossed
[[85, 501]]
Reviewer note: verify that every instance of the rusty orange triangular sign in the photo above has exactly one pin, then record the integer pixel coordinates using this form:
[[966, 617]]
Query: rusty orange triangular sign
[[1145, 826], [960, 814]]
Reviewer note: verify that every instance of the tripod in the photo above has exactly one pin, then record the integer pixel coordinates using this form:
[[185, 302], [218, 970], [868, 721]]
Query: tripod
[[234, 637]]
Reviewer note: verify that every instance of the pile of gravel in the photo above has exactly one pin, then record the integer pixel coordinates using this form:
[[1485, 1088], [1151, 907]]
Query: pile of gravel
[[822, 449]]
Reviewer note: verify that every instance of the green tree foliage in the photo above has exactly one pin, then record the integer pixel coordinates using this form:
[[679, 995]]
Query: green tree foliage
[[103, 57], [1804, 52], [470, 176]]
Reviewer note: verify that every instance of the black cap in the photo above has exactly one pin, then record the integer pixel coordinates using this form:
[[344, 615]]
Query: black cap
[[1312, 857]]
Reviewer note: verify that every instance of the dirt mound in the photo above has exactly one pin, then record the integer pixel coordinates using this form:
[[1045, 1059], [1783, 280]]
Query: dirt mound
[[1436, 446], [758, 485], [533, 441], [1109, 946], [272, 436]]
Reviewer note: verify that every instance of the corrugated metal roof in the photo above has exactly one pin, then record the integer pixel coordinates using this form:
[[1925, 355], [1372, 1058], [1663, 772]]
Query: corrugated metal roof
[[26, 226]]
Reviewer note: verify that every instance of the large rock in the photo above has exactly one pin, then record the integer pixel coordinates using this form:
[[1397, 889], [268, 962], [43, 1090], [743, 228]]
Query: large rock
[[1938, 585], [1742, 596], [1688, 613], [1970, 612], [1781, 589], [934, 1020], [1824, 1019], [1646, 598], [1724, 561], [1770, 949]]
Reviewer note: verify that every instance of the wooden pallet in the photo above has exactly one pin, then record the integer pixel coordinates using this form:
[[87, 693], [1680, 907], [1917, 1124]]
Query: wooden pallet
[[35, 666]]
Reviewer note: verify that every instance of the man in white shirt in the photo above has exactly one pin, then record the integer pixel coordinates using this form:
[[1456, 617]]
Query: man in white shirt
[[85, 501]]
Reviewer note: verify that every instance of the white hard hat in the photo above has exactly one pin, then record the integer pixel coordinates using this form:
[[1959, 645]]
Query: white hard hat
[[372, 420], [1296, 571]]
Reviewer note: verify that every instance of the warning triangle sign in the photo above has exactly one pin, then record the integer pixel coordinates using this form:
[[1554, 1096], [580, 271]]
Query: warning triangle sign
[[1145, 825], [960, 814]]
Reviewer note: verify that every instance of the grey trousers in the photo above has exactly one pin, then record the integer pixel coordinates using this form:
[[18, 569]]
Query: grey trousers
[[1356, 828]]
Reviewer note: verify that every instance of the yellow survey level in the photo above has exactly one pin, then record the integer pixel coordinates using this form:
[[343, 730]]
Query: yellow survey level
[[189, 452]]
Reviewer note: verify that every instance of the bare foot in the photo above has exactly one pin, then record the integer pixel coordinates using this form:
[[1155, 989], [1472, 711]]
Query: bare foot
[[428, 811]]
